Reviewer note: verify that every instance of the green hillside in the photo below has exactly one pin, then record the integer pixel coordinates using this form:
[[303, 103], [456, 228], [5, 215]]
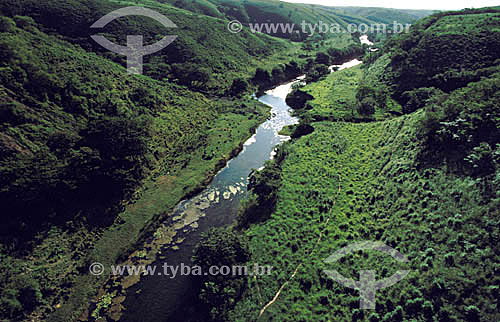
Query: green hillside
[[78, 137], [445, 51], [384, 15], [426, 183], [205, 56], [404, 149], [274, 11]]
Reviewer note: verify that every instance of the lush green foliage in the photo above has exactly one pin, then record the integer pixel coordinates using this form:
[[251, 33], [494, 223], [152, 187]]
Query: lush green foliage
[[348, 182], [264, 186], [426, 184], [445, 51], [341, 97], [65, 133], [273, 11], [79, 137], [220, 247], [464, 128], [206, 61]]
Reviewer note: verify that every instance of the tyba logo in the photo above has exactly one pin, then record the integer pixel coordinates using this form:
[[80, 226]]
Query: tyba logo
[[367, 285], [135, 49]]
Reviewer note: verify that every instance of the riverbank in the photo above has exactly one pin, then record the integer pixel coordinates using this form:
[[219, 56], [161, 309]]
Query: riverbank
[[153, 202], [145, 218]]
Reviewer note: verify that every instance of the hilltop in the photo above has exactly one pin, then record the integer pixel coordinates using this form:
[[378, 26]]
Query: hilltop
[[274, 11]]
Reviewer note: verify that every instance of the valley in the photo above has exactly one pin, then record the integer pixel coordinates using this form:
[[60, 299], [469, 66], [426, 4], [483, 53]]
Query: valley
[[248, 148]]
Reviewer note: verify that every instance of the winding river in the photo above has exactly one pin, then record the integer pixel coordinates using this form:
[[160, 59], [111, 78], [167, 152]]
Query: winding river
[[159, 298], [163, 298]]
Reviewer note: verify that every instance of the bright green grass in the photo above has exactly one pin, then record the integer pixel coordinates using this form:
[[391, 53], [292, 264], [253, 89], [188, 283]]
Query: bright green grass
[[464, 23], [191, 134], [334, 97], [439, 221], [335, 155]]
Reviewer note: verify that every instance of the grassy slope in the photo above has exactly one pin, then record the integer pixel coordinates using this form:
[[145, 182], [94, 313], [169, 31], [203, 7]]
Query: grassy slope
[[277, 11], [335, 98], [444, 51], [437, 219], [324, 191], [349, 182], [186, 128], [203, 42], [384, 15]]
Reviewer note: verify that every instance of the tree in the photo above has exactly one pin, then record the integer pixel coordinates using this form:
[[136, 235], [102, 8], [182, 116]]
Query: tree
[[220, 247], [364, 91], [417, 98], [292, 69], [317, 72], [191, 75], [238, 86], [301, 130], [322, 58], [7, 24], [264, 186], [261, 77], [277, 75], [335, 54]]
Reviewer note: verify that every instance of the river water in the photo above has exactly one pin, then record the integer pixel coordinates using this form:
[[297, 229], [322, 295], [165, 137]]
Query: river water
[[162, 298]]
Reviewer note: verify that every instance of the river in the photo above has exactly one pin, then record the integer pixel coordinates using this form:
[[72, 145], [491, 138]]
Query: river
[[158, 298], [162, 298]]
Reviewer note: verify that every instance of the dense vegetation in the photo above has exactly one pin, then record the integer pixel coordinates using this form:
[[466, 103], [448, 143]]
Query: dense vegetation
[[443, 52], [220, 247], [206, 62], [426, 183], [79, 137]]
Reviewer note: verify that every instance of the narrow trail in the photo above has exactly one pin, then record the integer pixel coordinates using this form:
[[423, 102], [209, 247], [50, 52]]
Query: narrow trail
[[275, 298]]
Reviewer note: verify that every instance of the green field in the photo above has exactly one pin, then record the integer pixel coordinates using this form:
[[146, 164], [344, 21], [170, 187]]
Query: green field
[[349, 182]]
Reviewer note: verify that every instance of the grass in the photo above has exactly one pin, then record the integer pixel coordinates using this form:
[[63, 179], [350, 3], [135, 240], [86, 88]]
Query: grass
[[438, 220], [156, 200], [324, 176], [335, 96], [349, 182], [191, 136]]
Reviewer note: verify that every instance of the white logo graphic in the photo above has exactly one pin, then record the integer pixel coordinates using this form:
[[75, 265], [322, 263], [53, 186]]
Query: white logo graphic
[[367, 285], [135, 49]]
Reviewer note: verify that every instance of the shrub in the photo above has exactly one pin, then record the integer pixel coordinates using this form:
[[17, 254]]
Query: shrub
[[238, 87], [7, 24], [367, 106], [220, 247], [418, 98]]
